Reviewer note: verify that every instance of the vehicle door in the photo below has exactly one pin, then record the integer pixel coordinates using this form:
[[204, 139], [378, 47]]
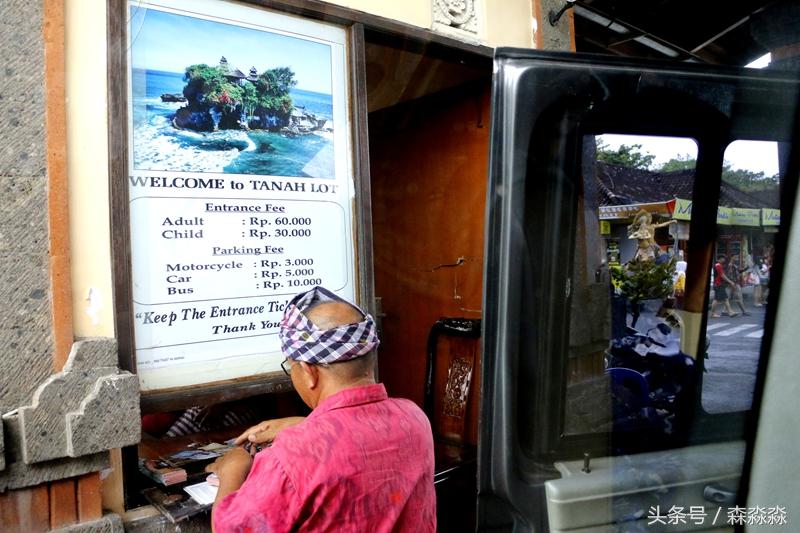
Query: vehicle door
[[612, 401]]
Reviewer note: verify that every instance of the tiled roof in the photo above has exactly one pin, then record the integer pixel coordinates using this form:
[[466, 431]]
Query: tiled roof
[[624, 185]]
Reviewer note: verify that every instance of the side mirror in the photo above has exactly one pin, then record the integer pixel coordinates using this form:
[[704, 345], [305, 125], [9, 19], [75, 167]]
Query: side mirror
[[664, 329]]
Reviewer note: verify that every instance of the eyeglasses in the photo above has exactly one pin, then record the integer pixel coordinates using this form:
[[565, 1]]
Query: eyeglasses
[[287, 366]]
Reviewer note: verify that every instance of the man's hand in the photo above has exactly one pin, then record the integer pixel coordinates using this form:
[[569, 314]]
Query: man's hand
[[234, 464], [231, 469], [266, 431]]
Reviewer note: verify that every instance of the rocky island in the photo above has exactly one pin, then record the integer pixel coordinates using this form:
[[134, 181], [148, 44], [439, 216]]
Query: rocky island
[[223, 98]]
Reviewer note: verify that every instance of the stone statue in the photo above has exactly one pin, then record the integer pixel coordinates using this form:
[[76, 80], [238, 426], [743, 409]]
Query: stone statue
[[644, 231]]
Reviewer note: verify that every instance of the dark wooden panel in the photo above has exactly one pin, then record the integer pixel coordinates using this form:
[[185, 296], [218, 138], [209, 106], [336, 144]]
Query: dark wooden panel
[[25, 510], [429, 160], [455, 411], [363, 214], [118, 180], [89, 498], [36, 502], [57, 190], [116, 58], [211, 393], [63, 503], [400, 71]]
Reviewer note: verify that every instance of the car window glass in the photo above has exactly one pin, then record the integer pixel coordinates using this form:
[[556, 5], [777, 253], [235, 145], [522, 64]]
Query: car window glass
[[747, 223], [626, 371]]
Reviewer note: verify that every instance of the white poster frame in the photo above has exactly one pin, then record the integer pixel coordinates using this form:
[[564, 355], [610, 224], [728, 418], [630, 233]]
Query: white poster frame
[[328, 200]]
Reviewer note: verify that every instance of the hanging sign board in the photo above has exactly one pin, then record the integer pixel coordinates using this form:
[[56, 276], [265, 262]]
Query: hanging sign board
[[683, 209], [625, 212], [240, 185], [724, 216], [745, 217], [770, 217]]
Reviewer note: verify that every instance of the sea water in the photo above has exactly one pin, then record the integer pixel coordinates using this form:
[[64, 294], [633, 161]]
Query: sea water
[[158, 145]]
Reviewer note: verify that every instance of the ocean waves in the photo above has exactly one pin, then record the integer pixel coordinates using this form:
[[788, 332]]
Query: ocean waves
[[158, 145]]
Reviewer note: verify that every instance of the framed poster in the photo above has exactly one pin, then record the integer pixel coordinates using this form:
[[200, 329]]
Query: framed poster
[[240, 182]]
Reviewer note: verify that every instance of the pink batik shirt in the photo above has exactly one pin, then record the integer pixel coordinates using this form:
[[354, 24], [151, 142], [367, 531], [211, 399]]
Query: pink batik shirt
[[360, 462]]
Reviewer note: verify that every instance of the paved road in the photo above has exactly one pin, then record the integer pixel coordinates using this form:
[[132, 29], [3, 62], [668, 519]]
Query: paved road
[[733, 359]]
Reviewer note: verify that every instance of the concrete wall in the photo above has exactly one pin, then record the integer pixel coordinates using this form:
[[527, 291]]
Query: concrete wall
[[26, 343], [87, 167], [34, 290]]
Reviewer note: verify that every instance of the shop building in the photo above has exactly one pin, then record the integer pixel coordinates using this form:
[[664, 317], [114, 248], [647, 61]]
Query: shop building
[[745, 221]]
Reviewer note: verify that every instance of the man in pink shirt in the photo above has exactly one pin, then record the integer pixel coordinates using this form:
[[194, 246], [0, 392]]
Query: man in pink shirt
[[359, 462]]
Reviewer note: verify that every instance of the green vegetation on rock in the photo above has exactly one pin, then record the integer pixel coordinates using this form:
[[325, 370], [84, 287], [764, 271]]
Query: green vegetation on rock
[[218, 100]]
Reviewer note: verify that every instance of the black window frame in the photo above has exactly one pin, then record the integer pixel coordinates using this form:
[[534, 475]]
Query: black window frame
[[534, 169]]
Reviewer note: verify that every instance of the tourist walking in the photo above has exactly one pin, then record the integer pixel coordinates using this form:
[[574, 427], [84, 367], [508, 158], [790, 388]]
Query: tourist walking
[[734, 273], [720, 293]]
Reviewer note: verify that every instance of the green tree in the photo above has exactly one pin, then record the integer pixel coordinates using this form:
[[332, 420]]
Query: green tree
[[272, 98], [681, 162], [626, 155], [278, 80], [744, 180], [747, 180], [208, 85], [639, 280], [209, 89], [249, 100]]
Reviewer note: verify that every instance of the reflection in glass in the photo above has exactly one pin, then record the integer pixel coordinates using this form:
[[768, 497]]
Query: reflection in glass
[[747, 224], [627, 372]]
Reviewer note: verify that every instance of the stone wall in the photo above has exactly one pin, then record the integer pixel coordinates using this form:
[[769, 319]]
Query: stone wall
[[26, 343]]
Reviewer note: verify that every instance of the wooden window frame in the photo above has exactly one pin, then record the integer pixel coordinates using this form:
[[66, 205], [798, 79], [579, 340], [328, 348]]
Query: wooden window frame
[[222, 391]]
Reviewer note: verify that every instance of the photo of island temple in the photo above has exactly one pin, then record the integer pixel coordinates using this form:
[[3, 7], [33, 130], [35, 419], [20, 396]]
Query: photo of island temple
[[229, 99]]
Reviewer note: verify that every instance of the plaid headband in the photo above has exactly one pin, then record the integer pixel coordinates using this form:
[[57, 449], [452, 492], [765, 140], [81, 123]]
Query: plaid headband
[[301, 340]]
